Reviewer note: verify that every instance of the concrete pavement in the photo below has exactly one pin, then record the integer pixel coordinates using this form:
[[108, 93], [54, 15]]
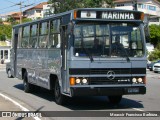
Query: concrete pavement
[[2, 66]]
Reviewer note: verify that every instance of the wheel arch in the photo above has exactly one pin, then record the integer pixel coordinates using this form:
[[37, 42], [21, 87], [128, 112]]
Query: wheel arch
[[52, 79]]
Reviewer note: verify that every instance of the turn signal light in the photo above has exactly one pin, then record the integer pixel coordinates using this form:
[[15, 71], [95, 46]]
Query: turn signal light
[[75, 14], [72, 81]]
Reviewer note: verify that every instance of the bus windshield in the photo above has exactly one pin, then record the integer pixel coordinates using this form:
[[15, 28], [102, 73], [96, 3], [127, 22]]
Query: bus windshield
[[108, 40]]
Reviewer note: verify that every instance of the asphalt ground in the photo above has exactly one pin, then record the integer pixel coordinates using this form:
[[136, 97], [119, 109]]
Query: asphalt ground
[[8, 106]]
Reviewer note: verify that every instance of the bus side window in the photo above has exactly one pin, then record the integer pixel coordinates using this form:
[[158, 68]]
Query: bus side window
[[19, 37], [33, 43], [54, 41], [25, 37], [43, 38]]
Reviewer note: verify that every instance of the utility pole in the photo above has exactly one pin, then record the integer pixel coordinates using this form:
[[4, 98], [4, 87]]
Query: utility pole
[[20, 6]]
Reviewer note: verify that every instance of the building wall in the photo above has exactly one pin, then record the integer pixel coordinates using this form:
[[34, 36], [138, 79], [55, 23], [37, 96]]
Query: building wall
[[47, 10], [34, 14], [150, 8], [126, 6], [4, 17], [5, 54]]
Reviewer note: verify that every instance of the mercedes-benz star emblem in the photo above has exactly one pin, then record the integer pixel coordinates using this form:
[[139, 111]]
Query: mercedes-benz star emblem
[[110, 75]]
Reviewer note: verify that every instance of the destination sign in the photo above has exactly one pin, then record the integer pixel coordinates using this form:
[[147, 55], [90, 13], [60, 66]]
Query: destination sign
[[109, 15], [118, 16]]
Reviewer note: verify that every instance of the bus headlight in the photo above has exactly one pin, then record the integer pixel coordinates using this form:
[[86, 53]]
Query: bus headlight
[[78, 80], [139, 80], [84, 81], [134, 80]]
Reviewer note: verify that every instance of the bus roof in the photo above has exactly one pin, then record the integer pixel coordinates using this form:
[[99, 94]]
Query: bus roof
[[92, 13]]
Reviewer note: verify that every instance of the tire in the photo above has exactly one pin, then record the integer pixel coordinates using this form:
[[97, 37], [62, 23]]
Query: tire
[[9, 74], [59, 98], [115, 99], [27, 86]]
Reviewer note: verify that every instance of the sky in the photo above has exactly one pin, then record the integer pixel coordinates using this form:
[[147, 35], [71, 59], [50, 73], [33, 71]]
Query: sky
[[7, 6]]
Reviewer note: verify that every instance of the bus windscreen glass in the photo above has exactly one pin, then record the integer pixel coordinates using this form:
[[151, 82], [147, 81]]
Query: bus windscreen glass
[[108, 40]]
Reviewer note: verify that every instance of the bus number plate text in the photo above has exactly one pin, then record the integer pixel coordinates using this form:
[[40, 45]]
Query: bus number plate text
[[133, 90]]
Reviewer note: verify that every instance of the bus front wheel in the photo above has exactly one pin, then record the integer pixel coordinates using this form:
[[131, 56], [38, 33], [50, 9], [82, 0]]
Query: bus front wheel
[[59, 98], [27, 86], [115, 99]]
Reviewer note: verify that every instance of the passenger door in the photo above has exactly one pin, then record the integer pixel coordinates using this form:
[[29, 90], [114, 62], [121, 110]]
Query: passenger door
[[64, 47], [14, 51]]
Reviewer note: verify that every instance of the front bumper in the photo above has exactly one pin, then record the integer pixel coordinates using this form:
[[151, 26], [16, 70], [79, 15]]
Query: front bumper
[[156, 69], [105, 91]]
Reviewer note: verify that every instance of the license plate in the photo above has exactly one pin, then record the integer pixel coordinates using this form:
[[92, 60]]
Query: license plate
[[133, 90]]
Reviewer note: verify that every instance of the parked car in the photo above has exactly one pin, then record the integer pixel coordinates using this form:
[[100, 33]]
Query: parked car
[[150, 66], [156, 67], [9, 70]]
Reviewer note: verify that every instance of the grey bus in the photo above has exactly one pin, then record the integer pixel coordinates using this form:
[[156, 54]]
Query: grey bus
[[82, 52]]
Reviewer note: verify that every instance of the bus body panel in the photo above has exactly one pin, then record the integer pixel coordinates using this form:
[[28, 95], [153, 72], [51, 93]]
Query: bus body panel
[[40, 64]]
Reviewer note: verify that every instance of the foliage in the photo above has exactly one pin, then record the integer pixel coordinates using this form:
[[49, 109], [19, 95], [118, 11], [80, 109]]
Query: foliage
[[66, 5], [26, 20], [1, 20], [2, 37], [154, 34], [11, 20], [5, 32], [155, 55]]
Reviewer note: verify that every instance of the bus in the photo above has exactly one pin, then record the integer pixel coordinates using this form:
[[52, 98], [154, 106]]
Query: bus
[[82, 52]]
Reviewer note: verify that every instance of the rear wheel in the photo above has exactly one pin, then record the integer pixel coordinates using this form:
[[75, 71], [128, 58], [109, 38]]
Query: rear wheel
[[59, 98], [9, 74], [115, 99], [27, 86]]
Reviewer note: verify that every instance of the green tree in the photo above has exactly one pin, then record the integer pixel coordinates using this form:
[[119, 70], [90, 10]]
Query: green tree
[[154, 34], [66, 5], [5, 32], [110, 3], [1, 21], [155, 55], [11, 20], [2, 37], [24, 20]]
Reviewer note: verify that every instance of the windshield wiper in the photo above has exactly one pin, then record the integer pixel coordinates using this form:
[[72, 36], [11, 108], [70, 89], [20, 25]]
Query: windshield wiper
[[127, 57], [86, 51]]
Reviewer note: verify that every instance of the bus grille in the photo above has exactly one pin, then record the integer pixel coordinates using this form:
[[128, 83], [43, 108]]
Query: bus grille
[[105, 71], [104, 80], [96, 71]]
